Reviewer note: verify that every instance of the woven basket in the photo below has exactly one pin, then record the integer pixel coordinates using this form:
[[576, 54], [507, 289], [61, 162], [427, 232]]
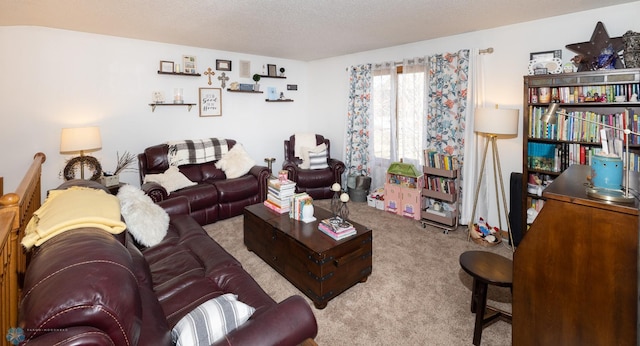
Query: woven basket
[[481, 241]]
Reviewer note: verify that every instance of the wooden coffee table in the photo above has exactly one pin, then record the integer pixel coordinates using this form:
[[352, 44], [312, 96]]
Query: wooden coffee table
[[317, 265]]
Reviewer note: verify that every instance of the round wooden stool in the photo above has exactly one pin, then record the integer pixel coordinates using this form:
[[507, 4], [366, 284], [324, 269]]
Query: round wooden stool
[[486, 268]]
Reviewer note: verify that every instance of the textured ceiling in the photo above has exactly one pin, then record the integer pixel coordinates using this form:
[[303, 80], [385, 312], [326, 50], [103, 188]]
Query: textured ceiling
[[292, 29]]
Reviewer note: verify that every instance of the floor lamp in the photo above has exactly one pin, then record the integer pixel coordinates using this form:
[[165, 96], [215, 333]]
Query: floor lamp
[[493, 123]]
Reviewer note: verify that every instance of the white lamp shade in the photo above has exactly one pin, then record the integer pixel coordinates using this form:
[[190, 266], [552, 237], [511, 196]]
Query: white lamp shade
[[80, 139], [496, 121]]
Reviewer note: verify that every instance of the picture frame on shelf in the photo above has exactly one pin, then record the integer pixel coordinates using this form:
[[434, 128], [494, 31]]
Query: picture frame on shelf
[[210, 102], [189, 64], [271, 70], [245, 69], [223, 65], [272, 93], [545, 56], [166, 66]]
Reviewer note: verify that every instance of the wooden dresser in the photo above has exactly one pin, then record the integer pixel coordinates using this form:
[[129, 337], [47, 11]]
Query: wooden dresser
[[575, 275]]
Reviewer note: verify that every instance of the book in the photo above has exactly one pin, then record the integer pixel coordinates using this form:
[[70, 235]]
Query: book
[[337, 226], [280, 193], [281, 185], [297, 201], [275, 208], [336, 236]]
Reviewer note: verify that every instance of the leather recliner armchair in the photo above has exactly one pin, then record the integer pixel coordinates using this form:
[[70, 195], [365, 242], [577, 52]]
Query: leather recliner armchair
[[316, 182]]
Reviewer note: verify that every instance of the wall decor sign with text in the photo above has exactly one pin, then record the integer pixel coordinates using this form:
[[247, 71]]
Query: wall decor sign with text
[[210, 102]]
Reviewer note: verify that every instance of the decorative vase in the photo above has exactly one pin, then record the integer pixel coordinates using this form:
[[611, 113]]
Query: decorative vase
[[307, 212]]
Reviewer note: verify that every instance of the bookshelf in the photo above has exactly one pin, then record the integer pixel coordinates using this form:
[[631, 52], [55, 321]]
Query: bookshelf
[[440, 191], [548, 150]]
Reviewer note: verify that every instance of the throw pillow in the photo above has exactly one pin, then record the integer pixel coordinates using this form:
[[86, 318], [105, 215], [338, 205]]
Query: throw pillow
[[316, 156], [211, 321], [236, 162], [172, 179], [146, 221]]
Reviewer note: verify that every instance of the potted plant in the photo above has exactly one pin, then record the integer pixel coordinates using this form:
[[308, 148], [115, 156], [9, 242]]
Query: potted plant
[[282, 72], [256, 78]]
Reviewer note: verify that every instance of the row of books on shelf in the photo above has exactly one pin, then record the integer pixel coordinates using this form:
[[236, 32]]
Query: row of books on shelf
[[556, 157], [440, 184], [580, 126], [337, 228], [586, 93], [440, 161]]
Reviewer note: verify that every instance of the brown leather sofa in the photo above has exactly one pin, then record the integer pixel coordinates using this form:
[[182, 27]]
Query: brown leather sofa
[[214, 197], [87, 286]]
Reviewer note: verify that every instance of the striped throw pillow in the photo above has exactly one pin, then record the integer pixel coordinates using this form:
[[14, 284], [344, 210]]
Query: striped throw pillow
[[211, 321]]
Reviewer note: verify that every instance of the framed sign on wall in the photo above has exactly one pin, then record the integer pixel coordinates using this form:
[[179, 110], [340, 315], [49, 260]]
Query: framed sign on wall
[[210, 102]]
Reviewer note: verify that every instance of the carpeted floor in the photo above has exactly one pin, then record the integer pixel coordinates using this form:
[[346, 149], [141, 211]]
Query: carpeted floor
[[416, 295]]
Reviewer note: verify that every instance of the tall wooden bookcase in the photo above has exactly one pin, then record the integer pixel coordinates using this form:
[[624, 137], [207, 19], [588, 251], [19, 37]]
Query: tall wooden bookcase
[[605, 95]]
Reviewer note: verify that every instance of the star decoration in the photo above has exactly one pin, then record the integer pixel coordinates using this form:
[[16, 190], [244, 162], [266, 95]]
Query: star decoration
[[600, 39]]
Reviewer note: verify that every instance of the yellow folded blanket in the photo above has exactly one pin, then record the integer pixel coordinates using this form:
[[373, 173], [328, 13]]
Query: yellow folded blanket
[[73, 208]]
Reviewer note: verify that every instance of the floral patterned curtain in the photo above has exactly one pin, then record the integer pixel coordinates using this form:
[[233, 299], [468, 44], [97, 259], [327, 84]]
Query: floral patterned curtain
[[447, 111], [357, 139]]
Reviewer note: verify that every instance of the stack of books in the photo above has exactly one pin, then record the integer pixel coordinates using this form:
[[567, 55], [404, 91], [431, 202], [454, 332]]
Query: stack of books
[[279, 195], [336, 228], [297, 203]]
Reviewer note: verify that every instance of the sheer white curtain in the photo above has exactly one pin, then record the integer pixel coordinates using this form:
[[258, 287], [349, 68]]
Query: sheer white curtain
[[474, 143], [383, 123], [399, 108], [412, 111]]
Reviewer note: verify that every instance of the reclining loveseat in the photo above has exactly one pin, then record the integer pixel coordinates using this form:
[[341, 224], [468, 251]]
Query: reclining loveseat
[[214, 195]]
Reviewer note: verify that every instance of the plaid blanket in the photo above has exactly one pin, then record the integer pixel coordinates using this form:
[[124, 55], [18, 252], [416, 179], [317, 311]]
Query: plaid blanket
[[196, 151]]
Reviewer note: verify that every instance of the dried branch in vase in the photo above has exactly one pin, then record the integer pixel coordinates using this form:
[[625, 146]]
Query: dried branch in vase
[[124, 161]]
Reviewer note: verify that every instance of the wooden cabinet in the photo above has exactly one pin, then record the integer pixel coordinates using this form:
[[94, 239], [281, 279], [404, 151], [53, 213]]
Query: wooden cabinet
[[604, 96], [440, 186], [575, 272], [402, 190]]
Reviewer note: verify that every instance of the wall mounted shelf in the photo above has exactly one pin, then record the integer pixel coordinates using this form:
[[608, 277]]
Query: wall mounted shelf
[[267, 76], [285, 100], [180, 74], [244, 91], [189, 105]]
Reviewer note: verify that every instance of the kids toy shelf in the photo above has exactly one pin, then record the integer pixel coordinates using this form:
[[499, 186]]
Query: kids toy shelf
[[402, 190], [440, 198]]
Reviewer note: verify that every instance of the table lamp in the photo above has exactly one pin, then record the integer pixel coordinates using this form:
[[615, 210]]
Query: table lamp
[[493, 123], [601, 192], [81, 139]]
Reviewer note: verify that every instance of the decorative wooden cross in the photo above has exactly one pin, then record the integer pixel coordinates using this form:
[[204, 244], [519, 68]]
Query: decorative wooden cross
[[209, 73], [223, 77]]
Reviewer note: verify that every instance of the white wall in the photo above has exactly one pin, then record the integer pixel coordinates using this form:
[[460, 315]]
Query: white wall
[[54, 78]]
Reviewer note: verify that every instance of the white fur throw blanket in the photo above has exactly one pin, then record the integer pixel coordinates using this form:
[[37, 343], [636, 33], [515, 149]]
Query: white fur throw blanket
[[146, 221], [196, 151]]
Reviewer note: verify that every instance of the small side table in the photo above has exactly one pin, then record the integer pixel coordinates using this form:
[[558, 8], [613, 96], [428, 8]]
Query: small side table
[[486, 268], [115, 188]]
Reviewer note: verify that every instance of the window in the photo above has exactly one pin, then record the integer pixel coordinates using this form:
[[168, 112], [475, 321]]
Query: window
[[399, 110]]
